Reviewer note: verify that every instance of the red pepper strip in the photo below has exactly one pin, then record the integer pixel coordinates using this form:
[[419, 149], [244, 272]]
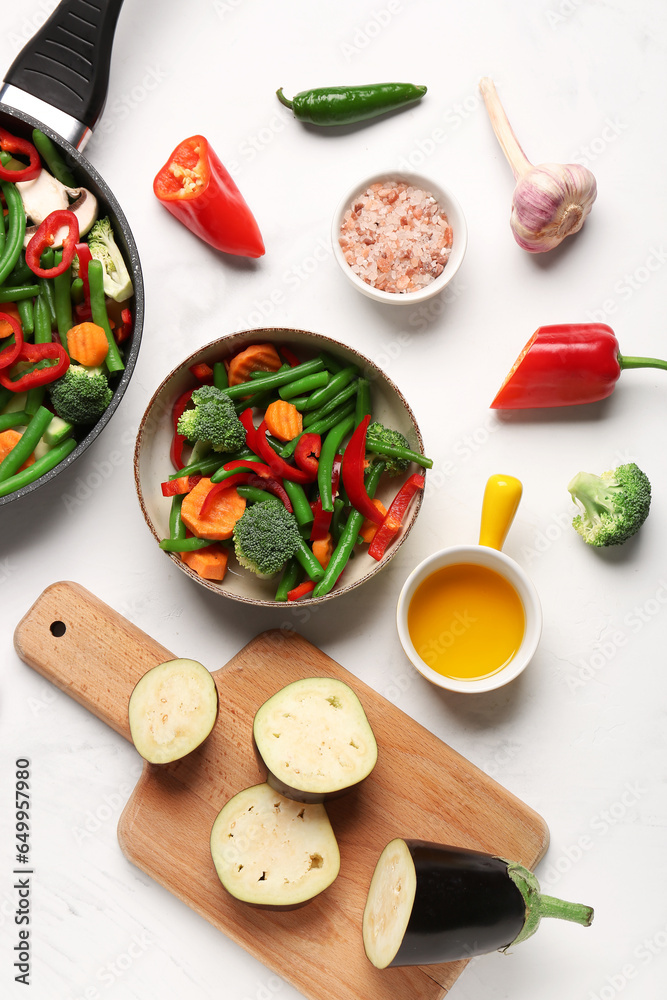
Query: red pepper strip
[[244, 479], [278, 465], [178, 440], [82, 309], [322, 518], [38, 376], [125, 329], [289, 356], [45, 238], [13, 144], [257, 467], [307, 587], [8, 355], [394, 517], [202, 371], [250, 432], [198, 191], [354, 462], [307, 453], [272, 486], [175, 487]]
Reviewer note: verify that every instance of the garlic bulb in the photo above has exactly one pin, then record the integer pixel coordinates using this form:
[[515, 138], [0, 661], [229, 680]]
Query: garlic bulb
[[551, 200]]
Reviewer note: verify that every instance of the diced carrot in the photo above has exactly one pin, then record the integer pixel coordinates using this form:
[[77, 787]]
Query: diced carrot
[[283, 420], [225, 511], [12, 310], [87, 343], [323, 550], [256, 358], [8, 439], [209, 563], [369, 528]]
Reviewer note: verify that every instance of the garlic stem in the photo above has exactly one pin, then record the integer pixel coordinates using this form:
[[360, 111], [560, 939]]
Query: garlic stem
[[509, 143]]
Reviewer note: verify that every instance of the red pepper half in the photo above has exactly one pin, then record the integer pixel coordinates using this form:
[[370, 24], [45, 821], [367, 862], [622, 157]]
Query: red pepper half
[[307, 453], [13, 144], [45, 238], [8, 355], [198, 191], [354, 465], [393, 519], [178, 440], [567, 365], [38, 376], [279, 467]]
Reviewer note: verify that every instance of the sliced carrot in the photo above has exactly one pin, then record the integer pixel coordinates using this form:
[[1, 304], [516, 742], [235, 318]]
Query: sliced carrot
[[256, 358], [323, 549], [209, 563], [12, 310], [225, 511], [87, 343], [283, 420], [369, 528], [8, 439]]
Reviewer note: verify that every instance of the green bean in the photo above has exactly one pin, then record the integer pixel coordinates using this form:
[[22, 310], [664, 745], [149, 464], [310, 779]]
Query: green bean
[[43, 465], [177, 528], [51, 156], [330, 447], [300, 402], [319, 428], [288, 581], [379, 448], [27, 317], [3, 234], [348, 539], [363, 401], [16, 293], [42, 336], [5, 396], [347, 393], [262, 374], [77, 292], [275, 380], [220, 380], [46, 285], [297, 495], [331, 364], [305, 556], [13, 419], [99, 310], [63, 302], [184, 544], [253, 494], [306, 384], [15, 229], [337, 520], [207, 466], [260, 401], [23, 448], [222, 473], [21, 273], [336, 383]]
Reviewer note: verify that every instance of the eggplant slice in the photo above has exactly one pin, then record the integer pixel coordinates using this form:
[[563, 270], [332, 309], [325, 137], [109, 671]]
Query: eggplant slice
[[172, 710], [272, 851], [315, 739]]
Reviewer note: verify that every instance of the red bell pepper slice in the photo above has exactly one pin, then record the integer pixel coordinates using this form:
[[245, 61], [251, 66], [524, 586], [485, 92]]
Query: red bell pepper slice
[[125, 329], [178, 440], [198, 191], [250, 431], [393, 519], [307, 587], [45, 237], [245, 479], [202, 372], [38, 376], [289, 356], [307, 453], [13, 144], [354, 465], [322, 518], [8, 355], [83, 310], [257, 467], [278, 465], [177, 487]]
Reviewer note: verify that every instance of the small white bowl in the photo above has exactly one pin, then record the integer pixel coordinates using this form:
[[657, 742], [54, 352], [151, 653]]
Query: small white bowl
[[454, 214]]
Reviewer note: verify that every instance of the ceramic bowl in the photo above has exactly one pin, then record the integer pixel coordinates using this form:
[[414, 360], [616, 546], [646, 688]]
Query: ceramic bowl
[[456, 219], [152, 465]]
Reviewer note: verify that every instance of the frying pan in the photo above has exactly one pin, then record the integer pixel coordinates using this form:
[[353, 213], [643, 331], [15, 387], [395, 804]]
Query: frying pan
[[58, 83]]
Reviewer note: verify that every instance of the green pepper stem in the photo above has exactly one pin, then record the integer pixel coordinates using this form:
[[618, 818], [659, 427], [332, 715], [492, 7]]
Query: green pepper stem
[[538, 906], [628, 362], [283, 100]]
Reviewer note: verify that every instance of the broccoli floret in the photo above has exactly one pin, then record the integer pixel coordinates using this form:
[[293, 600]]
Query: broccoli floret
[[213, 420], [265, 537], [81, 395], [614, 505], [379, 435], [102, 245]]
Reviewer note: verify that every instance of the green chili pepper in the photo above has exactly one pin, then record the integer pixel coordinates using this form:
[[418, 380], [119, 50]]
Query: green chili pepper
[[44, 464], [51, 156], [346, 105], [291, 576]]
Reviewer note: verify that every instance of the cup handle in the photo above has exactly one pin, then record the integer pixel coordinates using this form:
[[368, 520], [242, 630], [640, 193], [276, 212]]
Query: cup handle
[[501, 499]]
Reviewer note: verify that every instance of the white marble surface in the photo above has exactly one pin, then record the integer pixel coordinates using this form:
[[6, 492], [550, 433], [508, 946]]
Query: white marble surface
[[581, 736]]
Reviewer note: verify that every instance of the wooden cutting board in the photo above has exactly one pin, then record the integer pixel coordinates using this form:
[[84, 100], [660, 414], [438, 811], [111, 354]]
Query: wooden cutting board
[[420, 788]]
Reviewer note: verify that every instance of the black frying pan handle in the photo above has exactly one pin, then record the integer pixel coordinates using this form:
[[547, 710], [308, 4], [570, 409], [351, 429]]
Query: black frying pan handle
[[66, 63]]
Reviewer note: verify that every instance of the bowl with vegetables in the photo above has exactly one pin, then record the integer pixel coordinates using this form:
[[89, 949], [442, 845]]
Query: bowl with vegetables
[[279, 465]]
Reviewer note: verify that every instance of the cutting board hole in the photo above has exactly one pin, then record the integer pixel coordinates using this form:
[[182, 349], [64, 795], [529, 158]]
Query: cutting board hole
[[58, 629]]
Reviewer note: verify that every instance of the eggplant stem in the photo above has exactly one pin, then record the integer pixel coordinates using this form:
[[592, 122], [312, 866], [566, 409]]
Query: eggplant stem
[[509, 143], [283, 100], [538, 906], [628, 362], [578, 913]]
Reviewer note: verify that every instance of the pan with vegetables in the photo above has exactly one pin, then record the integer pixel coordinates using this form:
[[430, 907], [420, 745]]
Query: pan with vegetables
[[71, 288]]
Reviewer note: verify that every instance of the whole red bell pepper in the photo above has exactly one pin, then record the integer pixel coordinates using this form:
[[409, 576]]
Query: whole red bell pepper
[[13, 144], [45, 238], [393, 519], [38, 376], [567, 365], [198, 191], [354, 465]]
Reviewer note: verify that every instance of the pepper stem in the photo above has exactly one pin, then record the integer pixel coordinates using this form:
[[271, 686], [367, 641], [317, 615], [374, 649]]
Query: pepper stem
[[283, 100], [538, 906], [628, 362], [509, 143]]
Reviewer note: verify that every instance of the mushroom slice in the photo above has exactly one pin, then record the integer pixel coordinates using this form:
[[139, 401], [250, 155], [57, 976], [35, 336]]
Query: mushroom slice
[[46, 194], [273, 852], [172, 710], [315, 739]]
